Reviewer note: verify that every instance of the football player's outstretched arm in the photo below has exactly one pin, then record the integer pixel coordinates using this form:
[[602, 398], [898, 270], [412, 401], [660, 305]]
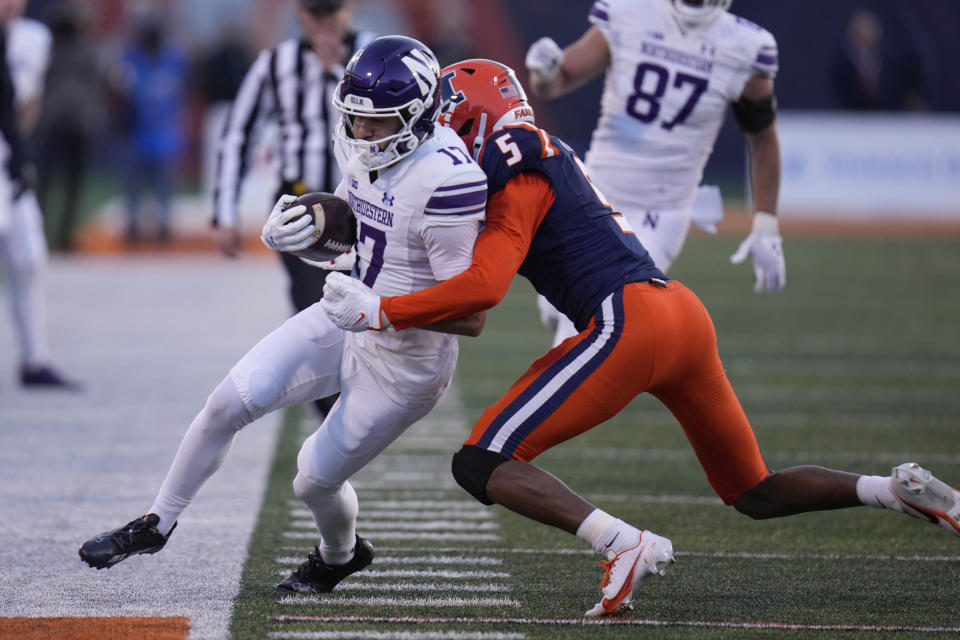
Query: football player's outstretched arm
[[764, 146], [513, 215], [755, 112], [555, 72]]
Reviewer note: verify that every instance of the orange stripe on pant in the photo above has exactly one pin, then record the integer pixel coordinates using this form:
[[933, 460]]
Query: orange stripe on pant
[[645, 338]]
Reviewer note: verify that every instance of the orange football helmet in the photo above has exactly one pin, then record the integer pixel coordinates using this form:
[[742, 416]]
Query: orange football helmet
[[479, 97]]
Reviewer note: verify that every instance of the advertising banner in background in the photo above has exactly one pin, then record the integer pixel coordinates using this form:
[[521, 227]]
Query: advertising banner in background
[[865, 166]]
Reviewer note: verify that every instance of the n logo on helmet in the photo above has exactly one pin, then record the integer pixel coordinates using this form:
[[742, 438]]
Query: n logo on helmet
[[423, 71]]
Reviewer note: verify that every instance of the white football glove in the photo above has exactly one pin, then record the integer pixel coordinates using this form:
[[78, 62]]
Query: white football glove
[[707, 208], [765, 247], [352, 305], [288, 228], [544, 58]]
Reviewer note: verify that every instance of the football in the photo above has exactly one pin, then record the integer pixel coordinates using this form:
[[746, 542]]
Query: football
[[336, 231]]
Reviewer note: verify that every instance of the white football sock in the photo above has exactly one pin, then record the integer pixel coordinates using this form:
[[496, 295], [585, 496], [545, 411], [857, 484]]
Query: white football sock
[[201, 452], [875, 491], [334, 511], [606, 534]]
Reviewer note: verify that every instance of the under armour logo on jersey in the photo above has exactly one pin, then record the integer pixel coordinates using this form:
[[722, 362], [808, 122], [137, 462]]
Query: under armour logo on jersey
[[354, 184], [387, 199], [424, 70]]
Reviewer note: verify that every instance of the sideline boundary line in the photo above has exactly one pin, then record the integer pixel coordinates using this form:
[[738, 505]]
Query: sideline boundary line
[[587, 622]]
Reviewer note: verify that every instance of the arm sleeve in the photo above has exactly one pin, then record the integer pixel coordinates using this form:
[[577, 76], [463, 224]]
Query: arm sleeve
[[450, 247], [513, 215], [234, 148]]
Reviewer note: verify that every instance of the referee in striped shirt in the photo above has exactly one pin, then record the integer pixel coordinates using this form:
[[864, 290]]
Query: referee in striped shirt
[[289, 86]]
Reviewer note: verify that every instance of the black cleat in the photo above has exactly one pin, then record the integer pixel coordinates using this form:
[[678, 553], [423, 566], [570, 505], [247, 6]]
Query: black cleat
[[110, 547], [46, 377], [316, 576]]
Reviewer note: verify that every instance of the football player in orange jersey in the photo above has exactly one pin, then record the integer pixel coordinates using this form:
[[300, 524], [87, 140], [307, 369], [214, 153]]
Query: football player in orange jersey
[[638, 331]]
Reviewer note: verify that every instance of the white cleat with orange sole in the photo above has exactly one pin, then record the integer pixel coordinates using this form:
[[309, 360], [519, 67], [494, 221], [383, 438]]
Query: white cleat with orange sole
[[628, 570], [923, 496]]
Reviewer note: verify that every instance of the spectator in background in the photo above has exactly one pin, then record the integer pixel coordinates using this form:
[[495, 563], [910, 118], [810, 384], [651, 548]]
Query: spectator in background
[[290, 87], [23, 247], [156, 80], [71, 119], [871, 75]]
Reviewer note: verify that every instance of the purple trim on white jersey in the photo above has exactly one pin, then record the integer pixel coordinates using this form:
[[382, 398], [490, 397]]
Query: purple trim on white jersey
[[466, 185], [600, 10], [458, 199]]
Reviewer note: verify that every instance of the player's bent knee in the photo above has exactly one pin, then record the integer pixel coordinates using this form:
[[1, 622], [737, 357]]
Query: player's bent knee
[[225, 407], [306, 489], [759, 501], [472, 468]]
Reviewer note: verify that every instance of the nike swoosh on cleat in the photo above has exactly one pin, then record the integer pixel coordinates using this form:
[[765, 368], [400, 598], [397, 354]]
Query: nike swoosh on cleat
[[609, 544]]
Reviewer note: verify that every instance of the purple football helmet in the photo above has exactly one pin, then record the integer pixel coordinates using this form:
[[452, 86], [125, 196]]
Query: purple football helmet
[[393, 76]]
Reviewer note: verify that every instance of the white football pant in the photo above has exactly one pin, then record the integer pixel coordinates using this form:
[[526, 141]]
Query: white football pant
[[23, 250], [305, 358]]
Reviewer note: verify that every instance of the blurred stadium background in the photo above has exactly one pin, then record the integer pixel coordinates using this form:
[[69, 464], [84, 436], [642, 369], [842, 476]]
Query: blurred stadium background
[[899, 162], [855, 365]]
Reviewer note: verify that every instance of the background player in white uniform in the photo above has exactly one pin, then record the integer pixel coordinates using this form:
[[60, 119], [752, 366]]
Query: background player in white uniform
[[672, 67], [419, 200], [23, 246]]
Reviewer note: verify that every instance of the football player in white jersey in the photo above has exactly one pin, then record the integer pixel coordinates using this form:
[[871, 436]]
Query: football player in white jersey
[[23, 245], [419, 200], [672, 67]]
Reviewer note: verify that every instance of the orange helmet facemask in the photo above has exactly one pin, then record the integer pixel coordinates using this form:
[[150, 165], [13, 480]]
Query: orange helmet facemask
[[479, 97]]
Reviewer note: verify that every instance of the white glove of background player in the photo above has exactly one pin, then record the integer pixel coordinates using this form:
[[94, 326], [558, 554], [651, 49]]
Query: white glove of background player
[[544, 58], [765, 247], [288, 228], [351, 304]]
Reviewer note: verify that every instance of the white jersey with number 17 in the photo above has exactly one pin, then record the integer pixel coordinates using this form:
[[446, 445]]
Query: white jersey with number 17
[[665, 97]]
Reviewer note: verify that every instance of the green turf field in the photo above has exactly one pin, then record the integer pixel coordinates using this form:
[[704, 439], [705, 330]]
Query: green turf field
[[856, 365]]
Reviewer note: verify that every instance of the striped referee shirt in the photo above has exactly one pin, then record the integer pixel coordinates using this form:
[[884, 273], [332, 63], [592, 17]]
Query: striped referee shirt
[[285, 86]]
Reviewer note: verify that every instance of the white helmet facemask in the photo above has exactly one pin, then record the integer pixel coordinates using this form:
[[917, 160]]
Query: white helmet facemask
[[697, 15], [368, 153]]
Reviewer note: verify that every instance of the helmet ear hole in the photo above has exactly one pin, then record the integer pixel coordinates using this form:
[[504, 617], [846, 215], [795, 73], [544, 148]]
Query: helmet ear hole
[[465, 128]]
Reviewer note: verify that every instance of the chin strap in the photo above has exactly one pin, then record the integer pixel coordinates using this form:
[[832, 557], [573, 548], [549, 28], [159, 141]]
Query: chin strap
[[478, 141]]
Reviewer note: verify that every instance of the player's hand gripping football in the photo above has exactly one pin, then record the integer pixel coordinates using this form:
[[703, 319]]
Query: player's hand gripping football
[[352, 305], [288, 228], [765, 247], [544, 58]]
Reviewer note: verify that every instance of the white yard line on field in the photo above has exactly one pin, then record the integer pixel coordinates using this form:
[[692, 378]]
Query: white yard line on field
[[620, 622], [329, 599], [396, 635], [746, 555]]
